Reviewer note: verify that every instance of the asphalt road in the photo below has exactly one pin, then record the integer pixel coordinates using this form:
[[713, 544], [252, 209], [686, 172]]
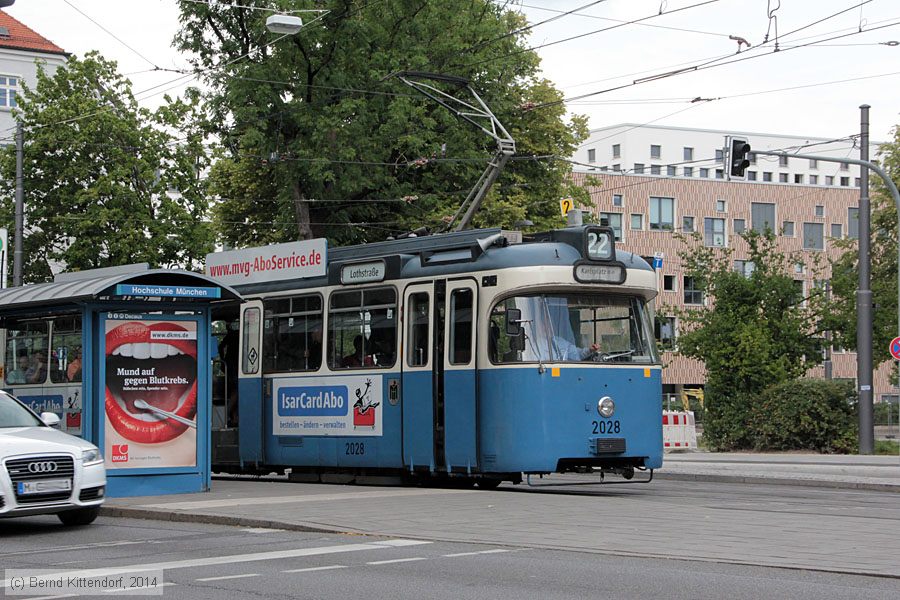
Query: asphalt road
[[211, 561]]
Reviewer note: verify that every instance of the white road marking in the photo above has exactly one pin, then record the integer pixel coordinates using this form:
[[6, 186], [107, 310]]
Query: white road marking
[[226, 502], [136, 588], [495, 551], [222, 578], [233, 559], [396, 560], [261, 530], [311, 569]]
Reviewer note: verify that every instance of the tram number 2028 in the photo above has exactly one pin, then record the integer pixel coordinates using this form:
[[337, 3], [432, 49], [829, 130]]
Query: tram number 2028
[[354, 448], [607, 427]]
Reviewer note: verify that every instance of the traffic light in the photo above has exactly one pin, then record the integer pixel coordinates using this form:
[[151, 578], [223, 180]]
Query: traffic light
[[738, 157]]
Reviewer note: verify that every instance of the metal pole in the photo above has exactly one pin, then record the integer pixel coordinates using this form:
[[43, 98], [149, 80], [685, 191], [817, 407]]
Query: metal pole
[[829, 368], [864, 298], [19, 253]]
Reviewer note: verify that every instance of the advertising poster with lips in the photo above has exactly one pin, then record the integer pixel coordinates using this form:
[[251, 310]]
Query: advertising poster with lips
[[151, 394]]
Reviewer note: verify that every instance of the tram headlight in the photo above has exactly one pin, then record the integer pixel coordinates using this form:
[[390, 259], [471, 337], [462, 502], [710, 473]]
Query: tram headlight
[[606, 407]]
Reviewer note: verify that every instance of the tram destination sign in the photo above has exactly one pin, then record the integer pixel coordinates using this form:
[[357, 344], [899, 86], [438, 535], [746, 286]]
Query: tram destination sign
[[367, 272], [594, 273], [167, 291], [278, 262]]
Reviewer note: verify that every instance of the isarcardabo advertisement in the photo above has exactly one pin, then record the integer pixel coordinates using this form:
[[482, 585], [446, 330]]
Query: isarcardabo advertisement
[[151, 394]]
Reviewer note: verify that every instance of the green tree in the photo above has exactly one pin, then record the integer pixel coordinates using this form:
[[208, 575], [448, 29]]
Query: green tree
[[97, 170], [319, 143], [845, 270], [759, 330]]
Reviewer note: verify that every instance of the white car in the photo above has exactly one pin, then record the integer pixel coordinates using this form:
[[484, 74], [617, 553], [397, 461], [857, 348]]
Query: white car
[[44, 471]]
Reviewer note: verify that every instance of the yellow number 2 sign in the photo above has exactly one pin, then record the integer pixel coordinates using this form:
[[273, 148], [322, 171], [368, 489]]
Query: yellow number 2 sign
[[565, 205]]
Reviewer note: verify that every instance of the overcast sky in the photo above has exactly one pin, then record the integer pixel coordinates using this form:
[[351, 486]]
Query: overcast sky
[[661, 43]]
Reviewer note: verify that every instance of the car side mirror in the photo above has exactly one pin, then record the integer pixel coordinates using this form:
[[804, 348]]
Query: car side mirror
[[50, 419], [513, 322]]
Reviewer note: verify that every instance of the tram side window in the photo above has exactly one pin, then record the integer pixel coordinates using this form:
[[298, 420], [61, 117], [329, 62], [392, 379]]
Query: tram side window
[[417, 314], [65, 356], [362, 329], [461, 327], [502, 347], [292, 334], [250, 359], [27, 344]]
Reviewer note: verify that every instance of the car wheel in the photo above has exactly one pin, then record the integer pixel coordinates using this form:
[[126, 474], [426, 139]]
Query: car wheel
[[80, 516]]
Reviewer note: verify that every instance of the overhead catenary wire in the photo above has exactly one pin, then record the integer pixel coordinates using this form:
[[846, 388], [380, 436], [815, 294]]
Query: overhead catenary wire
[[111, 34]]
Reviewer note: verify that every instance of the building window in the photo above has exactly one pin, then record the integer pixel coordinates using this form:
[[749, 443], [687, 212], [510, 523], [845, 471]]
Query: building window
[[720, 155], [617, 151], [739, 226], [9, 88], [604, 168], [752, 158], [787, 229], [751, 175], [856, 182], [813, 180], [637, 222], [720, 174], [617, 199], [813, 236], [688, 171], [688, 153], [853, 223], [292, 334], [799, 268], [662, 213], [691, 294], [720, 206], [714, 232], [798, 178], [669, 283], [687, 224], [813, 163], [613, 220], [767, 176], [704, 173], [744, 267], [845, 182], [654, 170], [782, 161], [836, 231], [664, 330], [592, 155], [655, 151], [638, 168], [845, 166], [782, 177], [670, 171], [820, 210], [829, 180], [617, 167], [762, 216]]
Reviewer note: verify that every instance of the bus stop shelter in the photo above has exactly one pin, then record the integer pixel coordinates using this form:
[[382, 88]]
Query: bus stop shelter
[[126, 355]]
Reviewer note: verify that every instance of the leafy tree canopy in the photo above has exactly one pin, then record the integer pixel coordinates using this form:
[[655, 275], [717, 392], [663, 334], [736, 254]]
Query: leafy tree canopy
[[319, 141], [97, 170], [759, 330], [845, 278]]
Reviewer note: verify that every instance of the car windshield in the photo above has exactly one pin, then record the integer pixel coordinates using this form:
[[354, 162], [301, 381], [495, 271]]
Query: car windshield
[[13, 414], [574, 328]]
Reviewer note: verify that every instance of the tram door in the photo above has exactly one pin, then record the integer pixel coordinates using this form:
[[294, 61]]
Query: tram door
[[250, 384], [439, 430]]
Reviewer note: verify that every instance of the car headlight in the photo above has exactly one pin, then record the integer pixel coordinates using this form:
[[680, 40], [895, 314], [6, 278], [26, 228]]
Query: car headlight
[[606, 407], [91, 457]]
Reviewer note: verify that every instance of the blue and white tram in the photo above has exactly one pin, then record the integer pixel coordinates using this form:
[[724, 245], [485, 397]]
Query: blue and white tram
[[457, 357]]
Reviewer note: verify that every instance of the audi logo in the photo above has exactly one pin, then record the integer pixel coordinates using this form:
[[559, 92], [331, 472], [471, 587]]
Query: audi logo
[[43, 467]]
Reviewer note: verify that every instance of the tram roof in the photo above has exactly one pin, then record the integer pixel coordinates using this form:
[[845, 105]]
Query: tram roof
[[84, 288]]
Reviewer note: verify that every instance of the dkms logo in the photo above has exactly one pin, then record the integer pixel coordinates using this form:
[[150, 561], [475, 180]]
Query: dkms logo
[[330, 401]]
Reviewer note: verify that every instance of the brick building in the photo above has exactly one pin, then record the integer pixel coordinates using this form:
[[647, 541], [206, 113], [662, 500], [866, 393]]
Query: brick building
[[674, 182]]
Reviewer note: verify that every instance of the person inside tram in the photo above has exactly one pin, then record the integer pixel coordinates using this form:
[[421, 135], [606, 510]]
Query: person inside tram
[[37, 372], [312, 354], [357, 359], [17, 375], [73, 370]]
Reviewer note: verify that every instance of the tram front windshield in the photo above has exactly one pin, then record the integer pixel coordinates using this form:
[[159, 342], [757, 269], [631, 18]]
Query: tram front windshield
[[574, 328]]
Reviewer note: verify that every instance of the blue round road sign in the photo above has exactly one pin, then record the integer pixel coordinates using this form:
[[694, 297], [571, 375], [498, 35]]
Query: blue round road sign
[[895, 348]]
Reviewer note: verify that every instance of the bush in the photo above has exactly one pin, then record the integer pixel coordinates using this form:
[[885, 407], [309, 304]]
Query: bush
[[804, 414], [725, 425]]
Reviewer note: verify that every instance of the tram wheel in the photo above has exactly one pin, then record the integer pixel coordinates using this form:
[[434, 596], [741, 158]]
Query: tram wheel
[[488, 483]]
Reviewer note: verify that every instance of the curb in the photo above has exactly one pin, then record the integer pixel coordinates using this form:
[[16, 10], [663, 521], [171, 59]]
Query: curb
[[817, 483], [187, 517]]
